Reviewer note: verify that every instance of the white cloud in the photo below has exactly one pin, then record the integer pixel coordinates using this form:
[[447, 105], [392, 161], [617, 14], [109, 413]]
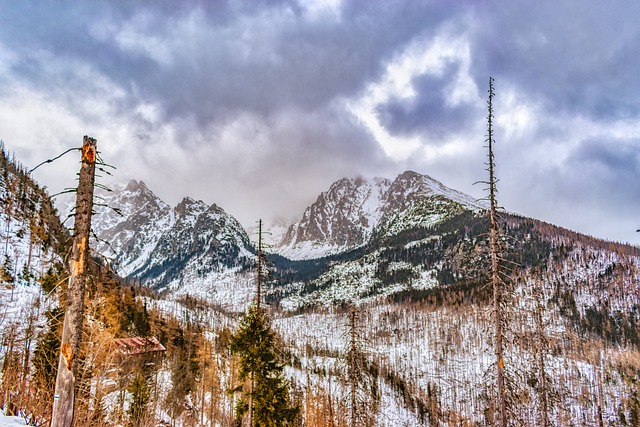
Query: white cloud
[[516, 115], [322, 10], [421, 57], [138, 36]]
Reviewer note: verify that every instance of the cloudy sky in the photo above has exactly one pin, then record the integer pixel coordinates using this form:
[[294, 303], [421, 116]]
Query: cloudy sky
[[259, 106]]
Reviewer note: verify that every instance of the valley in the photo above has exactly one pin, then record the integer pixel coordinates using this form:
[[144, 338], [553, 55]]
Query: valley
[[395, 268]]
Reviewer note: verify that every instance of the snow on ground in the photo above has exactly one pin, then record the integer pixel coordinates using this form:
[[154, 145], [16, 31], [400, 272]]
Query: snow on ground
[[231, 288], [10, 421], [310, 250], [448, 351]]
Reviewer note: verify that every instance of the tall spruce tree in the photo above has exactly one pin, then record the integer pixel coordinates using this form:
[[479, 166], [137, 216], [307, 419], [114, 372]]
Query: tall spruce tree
[[264, 389]]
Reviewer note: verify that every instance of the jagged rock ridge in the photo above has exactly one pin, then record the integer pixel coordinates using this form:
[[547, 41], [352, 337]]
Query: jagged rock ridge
[[346, 215], [159, 245]]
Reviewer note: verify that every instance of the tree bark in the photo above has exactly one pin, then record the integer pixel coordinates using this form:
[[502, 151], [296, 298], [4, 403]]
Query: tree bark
[[64, 396], [353, 373]]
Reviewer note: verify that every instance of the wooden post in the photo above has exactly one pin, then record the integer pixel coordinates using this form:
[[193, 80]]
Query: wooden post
[[64, 396]]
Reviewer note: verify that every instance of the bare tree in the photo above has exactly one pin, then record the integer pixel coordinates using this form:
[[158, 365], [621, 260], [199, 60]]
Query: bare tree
[[496, 281], [362, 386]]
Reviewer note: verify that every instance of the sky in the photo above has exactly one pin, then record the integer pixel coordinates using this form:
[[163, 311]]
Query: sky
[[259, 105]]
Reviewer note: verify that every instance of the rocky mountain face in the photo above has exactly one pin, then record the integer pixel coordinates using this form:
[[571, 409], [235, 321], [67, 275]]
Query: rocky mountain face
[[153, 242], [160, 245], [346, 216]]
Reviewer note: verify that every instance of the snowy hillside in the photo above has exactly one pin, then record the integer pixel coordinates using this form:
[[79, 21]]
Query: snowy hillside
[[406, 279], [11, 421], [191, 245]]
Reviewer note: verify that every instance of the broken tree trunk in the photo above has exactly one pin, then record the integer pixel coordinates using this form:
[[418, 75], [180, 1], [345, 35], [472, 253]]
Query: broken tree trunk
[[64, 396]]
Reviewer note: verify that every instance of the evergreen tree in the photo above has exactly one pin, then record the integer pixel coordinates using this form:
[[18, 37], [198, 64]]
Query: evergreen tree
[[265, 391], [140, 396], [6, 272]]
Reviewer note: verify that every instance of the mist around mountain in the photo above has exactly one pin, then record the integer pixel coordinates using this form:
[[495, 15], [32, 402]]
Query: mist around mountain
[[397, 266]]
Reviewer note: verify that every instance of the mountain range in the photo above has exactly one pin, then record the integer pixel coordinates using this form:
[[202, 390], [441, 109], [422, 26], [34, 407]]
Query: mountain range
[[362, 239], [171, 247], [408, 254]]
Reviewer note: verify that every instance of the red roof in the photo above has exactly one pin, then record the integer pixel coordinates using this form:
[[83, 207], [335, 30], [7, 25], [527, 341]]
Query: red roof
[[138, 345]]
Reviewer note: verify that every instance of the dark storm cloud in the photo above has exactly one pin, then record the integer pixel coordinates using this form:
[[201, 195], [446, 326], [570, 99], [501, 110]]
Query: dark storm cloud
[[567, 54], [263, 91], [222, 57], [610, 168], [284, 61], [613, 155], [429, 111]]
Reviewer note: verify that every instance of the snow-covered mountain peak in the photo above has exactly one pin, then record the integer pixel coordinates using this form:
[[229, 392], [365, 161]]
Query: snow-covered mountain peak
[[161, 244], [344, 216], [411, 186], [136, 186], [189, 207]]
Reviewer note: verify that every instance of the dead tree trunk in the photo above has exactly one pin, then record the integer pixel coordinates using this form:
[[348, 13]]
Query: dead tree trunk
[[600, 398], [494, 246], [541, 349], [64, 397], [259, 281], [353, 366]]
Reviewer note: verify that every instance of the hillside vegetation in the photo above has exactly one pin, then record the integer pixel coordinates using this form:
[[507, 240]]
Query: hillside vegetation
[[394, 331]]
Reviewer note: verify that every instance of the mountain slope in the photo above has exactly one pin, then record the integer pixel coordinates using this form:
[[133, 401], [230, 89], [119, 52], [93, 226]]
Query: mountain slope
[[33, 238], [345, 216], [418, 272], [160, 245]]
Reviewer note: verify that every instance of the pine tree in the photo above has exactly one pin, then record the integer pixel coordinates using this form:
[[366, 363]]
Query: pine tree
[[140, 397], [6, 271], [265, 391]]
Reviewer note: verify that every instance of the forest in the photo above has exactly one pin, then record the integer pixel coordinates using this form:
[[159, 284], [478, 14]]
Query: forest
[[417, 355]]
